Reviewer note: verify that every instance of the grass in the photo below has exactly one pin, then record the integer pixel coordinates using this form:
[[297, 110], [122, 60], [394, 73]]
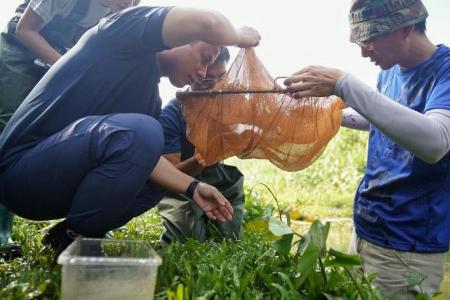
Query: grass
[[217, 269], [246, 270]]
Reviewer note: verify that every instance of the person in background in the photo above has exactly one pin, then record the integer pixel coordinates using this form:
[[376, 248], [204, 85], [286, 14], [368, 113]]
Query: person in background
[[85, 145], [34, 39], [402, 207], [182, 218]]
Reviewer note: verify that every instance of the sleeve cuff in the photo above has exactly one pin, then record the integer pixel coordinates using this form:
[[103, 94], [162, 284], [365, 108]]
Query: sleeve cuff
[[42, 12], [339, 84]]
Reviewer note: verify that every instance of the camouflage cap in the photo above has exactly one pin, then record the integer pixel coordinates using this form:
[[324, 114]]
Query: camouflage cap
[[369, 18]]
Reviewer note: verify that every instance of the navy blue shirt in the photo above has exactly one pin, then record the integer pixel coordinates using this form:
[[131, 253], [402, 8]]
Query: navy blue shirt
[[403, 202], [174, 127], [112, 69]]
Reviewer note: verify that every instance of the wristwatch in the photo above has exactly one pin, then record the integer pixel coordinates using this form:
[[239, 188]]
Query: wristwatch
[[191, 188]]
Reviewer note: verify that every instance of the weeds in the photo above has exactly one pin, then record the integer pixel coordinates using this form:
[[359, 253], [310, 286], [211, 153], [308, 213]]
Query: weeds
[[270, 262]]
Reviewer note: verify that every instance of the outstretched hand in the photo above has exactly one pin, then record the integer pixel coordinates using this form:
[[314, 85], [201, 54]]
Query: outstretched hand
[[313, 81], [248, 37], [213, 203]]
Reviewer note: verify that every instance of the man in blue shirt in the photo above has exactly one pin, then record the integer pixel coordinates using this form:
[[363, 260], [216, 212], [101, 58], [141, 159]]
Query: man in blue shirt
[[402, 207], [182, 218], [36, 37], [84, 144]]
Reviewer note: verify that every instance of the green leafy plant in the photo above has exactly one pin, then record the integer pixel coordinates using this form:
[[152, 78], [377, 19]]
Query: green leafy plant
[[314, 261]]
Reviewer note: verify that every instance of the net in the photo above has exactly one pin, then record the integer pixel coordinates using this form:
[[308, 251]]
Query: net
[[290, 133]]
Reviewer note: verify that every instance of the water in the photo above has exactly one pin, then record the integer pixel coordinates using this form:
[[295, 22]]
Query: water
[[339, 239]]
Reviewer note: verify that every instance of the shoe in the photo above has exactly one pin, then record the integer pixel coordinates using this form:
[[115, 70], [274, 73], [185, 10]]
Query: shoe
[[58, 238], [10, 251], [165, 240]]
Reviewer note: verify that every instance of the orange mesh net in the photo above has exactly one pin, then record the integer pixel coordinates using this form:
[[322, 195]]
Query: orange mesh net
[[289, 132]]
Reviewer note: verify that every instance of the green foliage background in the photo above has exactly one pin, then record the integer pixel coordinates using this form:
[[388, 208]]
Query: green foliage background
[[326, 188]]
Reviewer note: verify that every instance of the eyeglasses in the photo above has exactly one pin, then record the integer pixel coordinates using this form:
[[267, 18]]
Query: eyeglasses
[[208, 83], [212, 80], [367, 45]]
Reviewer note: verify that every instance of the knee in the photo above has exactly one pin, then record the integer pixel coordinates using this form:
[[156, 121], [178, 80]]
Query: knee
[[135, 137], [149, 137], [148, 133]]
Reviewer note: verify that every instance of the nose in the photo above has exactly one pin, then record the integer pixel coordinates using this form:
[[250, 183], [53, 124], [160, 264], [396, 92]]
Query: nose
[[200, 74], [364, 52]]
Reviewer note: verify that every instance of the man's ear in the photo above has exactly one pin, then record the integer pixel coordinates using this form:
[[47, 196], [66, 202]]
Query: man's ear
[[407, 30]]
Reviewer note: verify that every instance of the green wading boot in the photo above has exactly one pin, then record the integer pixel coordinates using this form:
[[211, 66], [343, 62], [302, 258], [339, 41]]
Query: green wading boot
[[8, 248]]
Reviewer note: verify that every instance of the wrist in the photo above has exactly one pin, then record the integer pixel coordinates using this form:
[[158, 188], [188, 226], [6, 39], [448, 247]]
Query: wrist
[[338, 85], [191, 188]]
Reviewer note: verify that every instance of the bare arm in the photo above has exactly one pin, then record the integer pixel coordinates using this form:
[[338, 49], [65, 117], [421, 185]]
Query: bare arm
[[207, 197], [28, 33], [189, 166], [186, 25]]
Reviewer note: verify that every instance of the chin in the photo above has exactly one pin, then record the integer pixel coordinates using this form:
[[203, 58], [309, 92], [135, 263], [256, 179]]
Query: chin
[[176, 83], [386, 66]]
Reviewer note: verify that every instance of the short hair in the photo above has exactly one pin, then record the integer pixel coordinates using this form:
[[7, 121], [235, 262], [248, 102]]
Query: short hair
[[224, 55], [421, 26]]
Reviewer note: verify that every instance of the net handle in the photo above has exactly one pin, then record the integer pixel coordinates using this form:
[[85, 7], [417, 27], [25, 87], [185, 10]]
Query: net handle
[[187, 93]]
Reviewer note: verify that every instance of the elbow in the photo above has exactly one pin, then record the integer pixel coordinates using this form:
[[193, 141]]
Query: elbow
[[210, 24]]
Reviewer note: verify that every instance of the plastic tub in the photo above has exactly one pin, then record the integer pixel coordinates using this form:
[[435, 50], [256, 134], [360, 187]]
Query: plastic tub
[[97, 269]]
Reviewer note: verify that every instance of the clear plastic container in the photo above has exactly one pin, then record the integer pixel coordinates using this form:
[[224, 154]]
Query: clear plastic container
[[94, 269]]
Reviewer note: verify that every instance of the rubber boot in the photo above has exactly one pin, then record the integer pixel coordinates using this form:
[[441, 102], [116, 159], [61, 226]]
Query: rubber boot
[[6, 219], [8, 248]]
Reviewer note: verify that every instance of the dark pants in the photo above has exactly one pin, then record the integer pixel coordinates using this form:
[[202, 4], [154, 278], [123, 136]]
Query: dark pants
[[94, 173]]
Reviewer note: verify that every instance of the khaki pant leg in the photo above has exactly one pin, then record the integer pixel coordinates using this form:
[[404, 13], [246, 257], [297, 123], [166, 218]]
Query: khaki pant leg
[[178, 218], [391, 266]]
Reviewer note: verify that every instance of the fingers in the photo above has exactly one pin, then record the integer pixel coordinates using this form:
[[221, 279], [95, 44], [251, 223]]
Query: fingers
[[312, 81], [210, 215], [298, 78], [223, 210], [301, 89], [301, 75], [294, 76], [220, 213], [200, 159], [249, 37], [226, 211], [213, 203], [229, 208], [303, 94]]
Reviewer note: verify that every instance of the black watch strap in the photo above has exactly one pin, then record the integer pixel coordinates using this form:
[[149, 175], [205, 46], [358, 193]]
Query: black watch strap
[[191, 188]]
